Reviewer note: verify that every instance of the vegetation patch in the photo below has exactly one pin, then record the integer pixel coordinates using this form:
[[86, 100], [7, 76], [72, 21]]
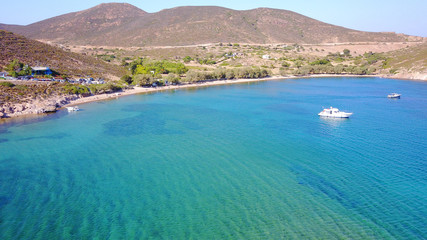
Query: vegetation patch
[[7, 84], [75, 89]]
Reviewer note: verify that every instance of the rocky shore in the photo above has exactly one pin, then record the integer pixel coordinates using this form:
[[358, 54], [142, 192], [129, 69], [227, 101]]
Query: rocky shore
[[408, 75], [10, 110]]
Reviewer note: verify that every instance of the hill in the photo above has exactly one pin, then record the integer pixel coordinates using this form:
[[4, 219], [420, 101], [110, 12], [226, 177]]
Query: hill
[[409, 62], [88, 24], [13, 46], [117, 24]]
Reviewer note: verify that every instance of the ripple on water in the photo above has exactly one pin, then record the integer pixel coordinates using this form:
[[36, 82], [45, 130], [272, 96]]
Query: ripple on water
[[57, 136], [235, 162]]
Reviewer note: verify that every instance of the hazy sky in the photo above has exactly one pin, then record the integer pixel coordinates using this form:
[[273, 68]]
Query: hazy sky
[[409, 16]]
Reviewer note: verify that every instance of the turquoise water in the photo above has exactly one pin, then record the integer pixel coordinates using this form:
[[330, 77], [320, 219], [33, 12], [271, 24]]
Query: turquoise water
[[248, 161]]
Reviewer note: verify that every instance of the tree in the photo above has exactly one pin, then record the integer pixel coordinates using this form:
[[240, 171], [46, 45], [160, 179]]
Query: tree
[[134, 65], [14, 67], [13, 74], [143, 79], [338, 68], [193, 76], [220, 73], [181, 68], [229, 74], [127, 79], [172, 78], [304, 70], [346, 52], [140, 70], [26, 70]]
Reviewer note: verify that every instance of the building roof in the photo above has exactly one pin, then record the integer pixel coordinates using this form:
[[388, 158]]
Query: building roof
[[40, 68]]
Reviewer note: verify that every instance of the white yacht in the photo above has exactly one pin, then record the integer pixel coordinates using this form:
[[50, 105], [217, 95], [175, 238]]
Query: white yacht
[[394, 95], [334, 113], [73, 109]]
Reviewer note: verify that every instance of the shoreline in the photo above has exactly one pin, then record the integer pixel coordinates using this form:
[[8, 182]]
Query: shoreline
[[143, 90]]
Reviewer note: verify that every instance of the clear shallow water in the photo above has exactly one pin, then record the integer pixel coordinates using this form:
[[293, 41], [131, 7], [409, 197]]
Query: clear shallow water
[[245, 161]]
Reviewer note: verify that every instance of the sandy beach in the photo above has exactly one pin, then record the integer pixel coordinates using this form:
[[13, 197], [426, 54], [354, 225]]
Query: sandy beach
[[142, 90]]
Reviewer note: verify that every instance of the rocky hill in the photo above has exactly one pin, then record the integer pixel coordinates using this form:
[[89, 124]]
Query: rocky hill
[[34, 53], [120, 24], [409, 62]]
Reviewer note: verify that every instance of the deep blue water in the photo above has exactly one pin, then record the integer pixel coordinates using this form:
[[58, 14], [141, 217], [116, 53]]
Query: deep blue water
[[247, 161]]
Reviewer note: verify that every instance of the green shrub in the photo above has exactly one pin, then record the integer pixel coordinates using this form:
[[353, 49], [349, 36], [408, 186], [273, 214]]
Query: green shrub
[[187, 59], [75, 89], [127, 79], [393, 71], [320, 62], [146, 66], [143, 79], [373, 57], [286, 64], [346, 52], [173, 78], [21, 87], [207, 61], [7, 84], [229, 74], [104, 88]]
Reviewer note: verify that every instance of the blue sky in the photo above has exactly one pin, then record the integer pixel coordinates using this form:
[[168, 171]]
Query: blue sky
[[409, 17]]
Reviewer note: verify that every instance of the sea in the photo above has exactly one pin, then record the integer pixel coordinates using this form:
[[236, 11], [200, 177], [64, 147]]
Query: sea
[[242, 161]]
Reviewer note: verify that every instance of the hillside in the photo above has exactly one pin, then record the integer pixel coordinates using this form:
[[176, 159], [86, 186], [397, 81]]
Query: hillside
[[410, 62], [34, 53], [99, 20], [116, 24]]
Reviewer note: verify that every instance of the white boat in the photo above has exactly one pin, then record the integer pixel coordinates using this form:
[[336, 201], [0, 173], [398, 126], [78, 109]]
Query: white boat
[[334, 113], [73, 109], [394, 95]]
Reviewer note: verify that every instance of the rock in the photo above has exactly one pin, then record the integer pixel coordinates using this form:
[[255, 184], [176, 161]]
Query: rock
[[19, 108], [50, 108], [1, 115], [8, 110]]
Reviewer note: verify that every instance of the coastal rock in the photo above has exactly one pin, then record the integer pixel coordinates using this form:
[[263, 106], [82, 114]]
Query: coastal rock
[[50, 108], [65, 100], [8, 109], [45, 108], [19, 108], [1, 115], [37, 106]]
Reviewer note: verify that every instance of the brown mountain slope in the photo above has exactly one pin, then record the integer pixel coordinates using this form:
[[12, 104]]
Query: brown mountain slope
[[196, 25], [99, 20], [409, 62], [34, 53], [125, 25]]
